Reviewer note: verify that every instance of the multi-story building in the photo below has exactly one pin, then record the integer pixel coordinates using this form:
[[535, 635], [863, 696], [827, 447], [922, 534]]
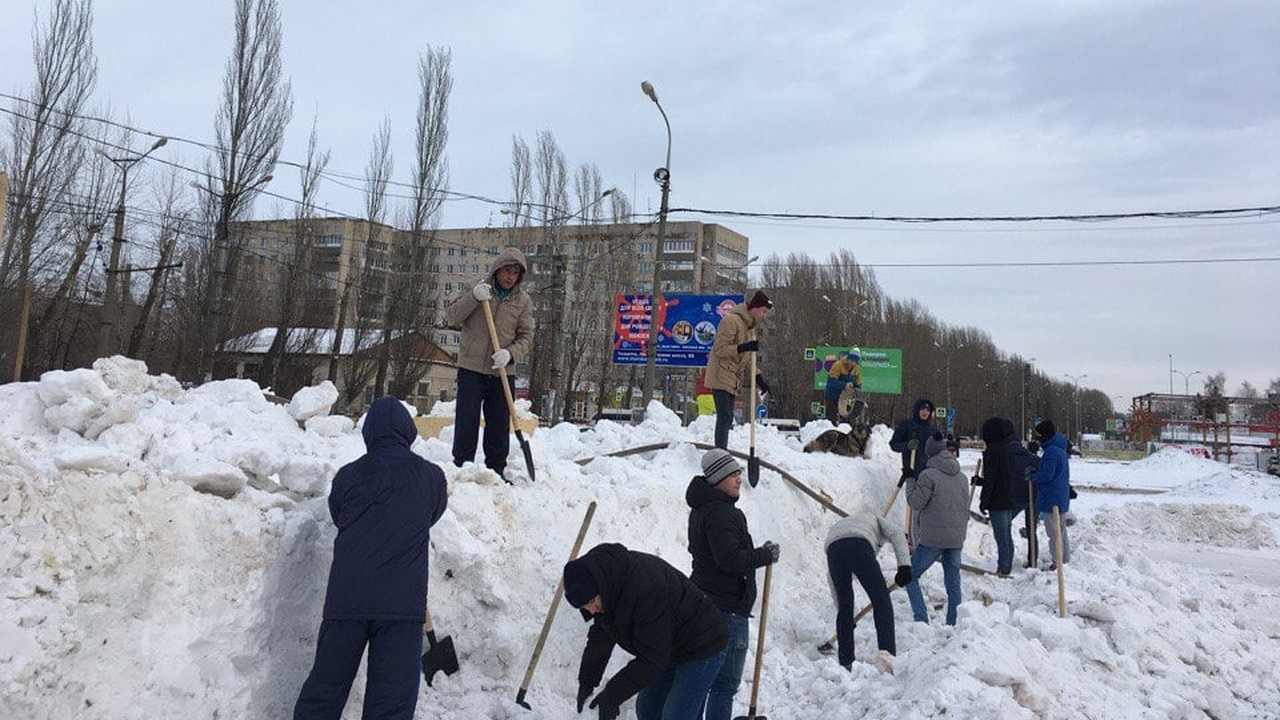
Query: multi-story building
[[574, 273]]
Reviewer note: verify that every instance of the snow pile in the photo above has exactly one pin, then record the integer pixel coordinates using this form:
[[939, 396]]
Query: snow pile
[[165, 554]]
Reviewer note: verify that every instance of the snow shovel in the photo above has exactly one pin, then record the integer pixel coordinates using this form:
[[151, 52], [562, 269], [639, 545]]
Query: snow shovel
[[506, 389], [829, 647], [901, 481], [753, 463], [764, 619], [551, 613], [1057, 559], [972, 488], [1033, 558], [440, 654]]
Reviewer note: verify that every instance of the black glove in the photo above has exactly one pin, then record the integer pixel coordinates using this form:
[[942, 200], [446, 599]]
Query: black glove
[[584, 692], [609, 709], [975, 481], [749, 346], [773, 550], [761, 385], [906, 473], [1071, 493], [912, 444], [903, 577]]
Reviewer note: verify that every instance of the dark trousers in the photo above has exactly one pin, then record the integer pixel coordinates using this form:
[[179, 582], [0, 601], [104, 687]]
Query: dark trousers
[[848, 558], [393, 673], [724, 416], [479, 393]]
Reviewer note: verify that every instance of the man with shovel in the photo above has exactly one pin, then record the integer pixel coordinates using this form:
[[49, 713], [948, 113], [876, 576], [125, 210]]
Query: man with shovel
[[384, 504], [479, 380], [725, 561], [640, 603]]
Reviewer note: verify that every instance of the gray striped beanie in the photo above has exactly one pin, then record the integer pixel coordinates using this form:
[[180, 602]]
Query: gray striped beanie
[[717, 465]]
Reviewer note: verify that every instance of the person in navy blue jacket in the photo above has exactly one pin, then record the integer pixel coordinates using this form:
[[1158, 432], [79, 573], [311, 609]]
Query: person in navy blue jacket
[[911, 435], [384, 505], [1053, 484]]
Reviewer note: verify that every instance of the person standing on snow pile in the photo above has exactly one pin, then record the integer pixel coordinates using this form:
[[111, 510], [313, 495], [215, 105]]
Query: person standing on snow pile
[[939, 495], [642, 604], [998, 498], [1053, 486], [846, 371], [851, 546], [384, 505], [479, 382], [735, 337], [911, 434], [724, 565]]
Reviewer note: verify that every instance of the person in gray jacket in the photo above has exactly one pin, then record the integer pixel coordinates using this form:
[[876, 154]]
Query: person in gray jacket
[[940, 498], [852, 544], [479, 382]]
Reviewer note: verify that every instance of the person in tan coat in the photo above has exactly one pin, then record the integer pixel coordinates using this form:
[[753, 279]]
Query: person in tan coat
[[479, 383], [735, 337]]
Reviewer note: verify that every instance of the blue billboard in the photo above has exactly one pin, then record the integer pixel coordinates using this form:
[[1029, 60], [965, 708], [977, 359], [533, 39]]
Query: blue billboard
[[686, 327]]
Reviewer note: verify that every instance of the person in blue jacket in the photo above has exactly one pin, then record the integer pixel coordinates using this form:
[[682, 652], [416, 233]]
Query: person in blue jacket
[[384, 505], [1053, 485]]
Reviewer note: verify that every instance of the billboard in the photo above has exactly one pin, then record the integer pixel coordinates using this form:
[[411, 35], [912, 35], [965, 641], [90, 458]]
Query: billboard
[[881, 367], [686, 327]]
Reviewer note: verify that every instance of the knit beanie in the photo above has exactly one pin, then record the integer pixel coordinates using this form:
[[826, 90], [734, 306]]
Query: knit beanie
[[579, 584], [717, 465], [759, 300], [1046, 430], [936, 444]]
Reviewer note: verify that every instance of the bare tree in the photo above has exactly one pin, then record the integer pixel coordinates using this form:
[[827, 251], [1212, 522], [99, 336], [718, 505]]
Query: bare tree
[[411, 307], [175, 225], [44, 158], [256, 108], [521, 182], [551, 178]]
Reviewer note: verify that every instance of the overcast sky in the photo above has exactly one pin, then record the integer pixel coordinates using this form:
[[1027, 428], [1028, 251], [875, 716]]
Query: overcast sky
[[824, 108]]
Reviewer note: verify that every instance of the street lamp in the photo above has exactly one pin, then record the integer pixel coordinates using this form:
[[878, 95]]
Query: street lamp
[[663, 177], [107, 341], [950, 410], [1186, 379], [1075, 379]]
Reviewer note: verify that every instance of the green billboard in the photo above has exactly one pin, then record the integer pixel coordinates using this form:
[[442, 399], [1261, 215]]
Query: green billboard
[[881, 367]]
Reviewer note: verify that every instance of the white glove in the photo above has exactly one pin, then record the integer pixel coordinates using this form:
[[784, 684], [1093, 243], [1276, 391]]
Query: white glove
[[502, 358], [481, 292]]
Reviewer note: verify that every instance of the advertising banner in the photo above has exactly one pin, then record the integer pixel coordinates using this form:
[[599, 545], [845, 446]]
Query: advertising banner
[[881, 367], [686, 327]]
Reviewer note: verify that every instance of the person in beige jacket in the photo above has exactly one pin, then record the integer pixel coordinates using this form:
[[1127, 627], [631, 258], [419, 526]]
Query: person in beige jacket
[[479, 384], [735, 337]]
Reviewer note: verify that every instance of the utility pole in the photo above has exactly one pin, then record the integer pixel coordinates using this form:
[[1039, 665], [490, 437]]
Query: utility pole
[[112, 308], [25, 289], [663, 176]]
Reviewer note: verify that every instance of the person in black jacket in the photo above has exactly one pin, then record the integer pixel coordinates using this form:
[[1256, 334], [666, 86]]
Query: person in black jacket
[[998, 498], [724, 565], [645, 606], [911, 434], [384, 505]]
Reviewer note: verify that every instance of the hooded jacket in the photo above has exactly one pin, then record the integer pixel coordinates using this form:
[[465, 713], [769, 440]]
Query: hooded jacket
[[843, 372], [724, 362], [652, 611], [940, 498], [913, 428], [724, 558], [512, 316], [1053, 478], [997, 481], [384, 505]]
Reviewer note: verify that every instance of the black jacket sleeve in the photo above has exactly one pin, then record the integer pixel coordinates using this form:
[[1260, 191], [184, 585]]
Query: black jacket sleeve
[[596, 655]]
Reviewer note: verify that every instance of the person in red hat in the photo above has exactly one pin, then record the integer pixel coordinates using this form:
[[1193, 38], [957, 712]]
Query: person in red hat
[[735, 337]]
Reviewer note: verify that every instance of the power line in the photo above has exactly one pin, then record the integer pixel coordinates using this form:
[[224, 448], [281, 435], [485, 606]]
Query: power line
[[1088, 217]]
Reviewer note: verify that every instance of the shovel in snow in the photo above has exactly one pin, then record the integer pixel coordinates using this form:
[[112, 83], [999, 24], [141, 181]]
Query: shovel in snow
[[753, 463], [764, 619], [506, 389], [440, 654]]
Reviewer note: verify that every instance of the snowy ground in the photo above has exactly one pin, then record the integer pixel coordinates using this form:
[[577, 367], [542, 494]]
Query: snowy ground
[[164, 554]]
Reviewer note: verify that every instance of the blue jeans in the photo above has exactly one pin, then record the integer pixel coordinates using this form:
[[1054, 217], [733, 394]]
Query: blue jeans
[[921, 560], [680, 691], [1002, 528], [723, 688]]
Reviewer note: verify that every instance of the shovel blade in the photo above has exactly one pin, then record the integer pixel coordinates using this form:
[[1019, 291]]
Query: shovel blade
[[528, 454], [751, 716], [440, 657], [753, 468]]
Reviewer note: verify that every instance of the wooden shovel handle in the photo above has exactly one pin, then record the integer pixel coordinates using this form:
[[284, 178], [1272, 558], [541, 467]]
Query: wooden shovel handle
[[764, 621], [502, 371]]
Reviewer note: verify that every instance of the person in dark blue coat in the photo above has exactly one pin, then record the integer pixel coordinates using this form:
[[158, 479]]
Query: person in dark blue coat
[[1053, 485], [911, 434], [384, 505]]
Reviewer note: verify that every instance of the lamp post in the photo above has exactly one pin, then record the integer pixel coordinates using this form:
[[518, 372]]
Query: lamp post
[[663, 177], [1026, 366], [107, 340], [1075, 380], [1186, 379], [947, 353], [842, 311]]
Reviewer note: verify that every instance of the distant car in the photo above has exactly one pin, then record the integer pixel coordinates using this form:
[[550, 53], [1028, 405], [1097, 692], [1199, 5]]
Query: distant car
[[1273, 465]]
